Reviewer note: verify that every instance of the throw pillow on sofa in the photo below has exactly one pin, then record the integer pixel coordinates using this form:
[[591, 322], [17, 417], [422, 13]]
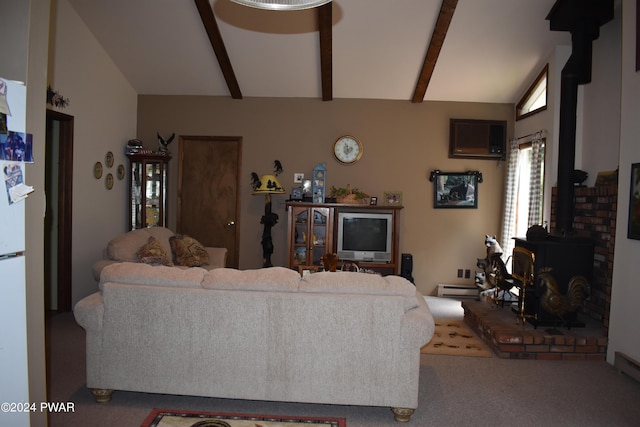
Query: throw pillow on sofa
[[188, 252], [153, 253]]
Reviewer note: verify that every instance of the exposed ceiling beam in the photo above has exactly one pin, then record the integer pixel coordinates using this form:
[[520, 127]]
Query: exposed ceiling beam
[[325, 18], [211, 26], [437, 39]]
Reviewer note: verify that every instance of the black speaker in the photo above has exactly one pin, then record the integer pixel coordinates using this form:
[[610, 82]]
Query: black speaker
[[406, 267]]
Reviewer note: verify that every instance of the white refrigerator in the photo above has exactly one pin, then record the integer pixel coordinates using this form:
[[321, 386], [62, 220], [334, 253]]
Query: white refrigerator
[[14, 389]]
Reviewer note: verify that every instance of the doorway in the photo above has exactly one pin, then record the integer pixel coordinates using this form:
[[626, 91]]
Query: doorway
[[57, 226], [208, 182]]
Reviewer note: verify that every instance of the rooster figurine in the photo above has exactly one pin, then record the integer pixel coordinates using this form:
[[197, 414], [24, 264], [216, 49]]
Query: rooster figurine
[[554, 301]]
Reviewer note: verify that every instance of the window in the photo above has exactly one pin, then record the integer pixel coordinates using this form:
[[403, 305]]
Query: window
[[535, 99]]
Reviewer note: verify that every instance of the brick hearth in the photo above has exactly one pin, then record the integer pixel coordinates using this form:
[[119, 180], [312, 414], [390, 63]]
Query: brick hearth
[[594, 218], [497, 327]]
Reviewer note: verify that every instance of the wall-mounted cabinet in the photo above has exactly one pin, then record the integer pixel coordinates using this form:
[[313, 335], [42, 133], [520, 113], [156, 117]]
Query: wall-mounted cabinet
[[470, 138]]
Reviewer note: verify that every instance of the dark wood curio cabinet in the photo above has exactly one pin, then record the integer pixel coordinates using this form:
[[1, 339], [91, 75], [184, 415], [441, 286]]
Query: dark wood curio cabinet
[[148, 190]]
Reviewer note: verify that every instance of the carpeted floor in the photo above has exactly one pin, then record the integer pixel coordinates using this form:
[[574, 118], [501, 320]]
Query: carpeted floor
[[454, 391]]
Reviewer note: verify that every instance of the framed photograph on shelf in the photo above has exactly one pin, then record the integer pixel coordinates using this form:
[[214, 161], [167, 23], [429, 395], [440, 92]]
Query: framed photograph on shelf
[[392, 198], [455, 190], [633, 230]]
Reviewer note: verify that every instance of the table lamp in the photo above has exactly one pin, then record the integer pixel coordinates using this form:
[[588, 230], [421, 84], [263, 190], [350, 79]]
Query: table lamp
[[267, 185]]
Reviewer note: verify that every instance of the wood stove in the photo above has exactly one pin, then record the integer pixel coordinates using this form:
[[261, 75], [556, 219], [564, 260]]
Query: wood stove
[[566, 254], [567, 257]]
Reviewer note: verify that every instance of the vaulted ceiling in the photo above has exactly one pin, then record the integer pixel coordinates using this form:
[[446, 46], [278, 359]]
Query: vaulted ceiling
[[414, 50]]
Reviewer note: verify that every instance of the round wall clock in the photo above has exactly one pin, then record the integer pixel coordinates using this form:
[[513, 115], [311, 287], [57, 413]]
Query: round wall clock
[[347, 149]]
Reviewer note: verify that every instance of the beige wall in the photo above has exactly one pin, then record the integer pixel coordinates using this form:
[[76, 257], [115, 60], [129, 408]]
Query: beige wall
[[601, 99], [103, 105], [403, 143], [625, 292]]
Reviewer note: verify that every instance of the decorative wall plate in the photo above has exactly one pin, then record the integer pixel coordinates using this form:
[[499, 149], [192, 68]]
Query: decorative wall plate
[[97, 170], [108, 181], [108, 159], [120, 172]]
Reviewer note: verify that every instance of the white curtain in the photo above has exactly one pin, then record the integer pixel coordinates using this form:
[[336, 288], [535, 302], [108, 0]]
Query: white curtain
[[536, 180], [511, 198]]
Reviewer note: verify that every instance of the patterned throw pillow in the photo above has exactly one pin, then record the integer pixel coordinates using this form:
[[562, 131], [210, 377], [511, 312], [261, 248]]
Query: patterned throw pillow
[[153, 253], [188, 252]]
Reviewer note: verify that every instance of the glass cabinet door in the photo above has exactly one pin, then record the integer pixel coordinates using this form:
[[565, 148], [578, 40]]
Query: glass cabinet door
[[301, 232], [148, 190], [319, 227], [310, 235]]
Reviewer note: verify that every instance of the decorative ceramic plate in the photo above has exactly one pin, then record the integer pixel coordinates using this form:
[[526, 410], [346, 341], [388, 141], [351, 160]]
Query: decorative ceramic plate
[[97, 170], [108, 159], [108, 181], [120, 172]]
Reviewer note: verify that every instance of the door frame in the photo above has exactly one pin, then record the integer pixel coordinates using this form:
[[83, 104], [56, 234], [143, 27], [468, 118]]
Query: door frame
[[65, 204]]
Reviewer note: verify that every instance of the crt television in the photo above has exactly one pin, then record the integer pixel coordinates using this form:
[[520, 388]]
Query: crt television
[[365, 236]]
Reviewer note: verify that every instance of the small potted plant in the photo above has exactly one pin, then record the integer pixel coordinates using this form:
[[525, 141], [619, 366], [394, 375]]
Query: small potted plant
[[349, 195]]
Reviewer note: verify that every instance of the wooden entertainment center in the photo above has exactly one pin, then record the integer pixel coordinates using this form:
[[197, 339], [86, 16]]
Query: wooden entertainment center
[[313, 231]]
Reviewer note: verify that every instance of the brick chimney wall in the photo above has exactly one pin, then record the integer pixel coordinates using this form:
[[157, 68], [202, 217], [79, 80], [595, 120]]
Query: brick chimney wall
[[595, 217]]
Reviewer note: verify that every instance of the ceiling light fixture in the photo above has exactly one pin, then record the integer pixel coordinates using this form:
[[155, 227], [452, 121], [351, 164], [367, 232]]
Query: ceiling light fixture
[[282, 4]]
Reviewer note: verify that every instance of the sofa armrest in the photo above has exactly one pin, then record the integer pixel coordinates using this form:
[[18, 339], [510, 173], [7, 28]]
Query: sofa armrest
[[418, 325], [217, 258], [99, 265], [89, 312]]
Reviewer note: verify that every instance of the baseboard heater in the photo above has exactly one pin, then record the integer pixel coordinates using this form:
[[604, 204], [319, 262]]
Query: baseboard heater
[[457, 291], [626, 365]]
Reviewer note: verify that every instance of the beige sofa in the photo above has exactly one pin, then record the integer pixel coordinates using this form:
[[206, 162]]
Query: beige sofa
[[125, 247], [335, 338]]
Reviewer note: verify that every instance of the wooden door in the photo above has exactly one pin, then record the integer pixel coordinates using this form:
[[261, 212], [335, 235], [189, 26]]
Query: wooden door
[[208, 182]]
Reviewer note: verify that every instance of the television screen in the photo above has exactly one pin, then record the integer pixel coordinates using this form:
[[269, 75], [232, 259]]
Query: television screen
[[364, 234]]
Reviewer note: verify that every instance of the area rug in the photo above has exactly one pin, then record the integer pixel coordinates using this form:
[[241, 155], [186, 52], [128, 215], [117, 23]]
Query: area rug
[[454, 338], [177, 418]]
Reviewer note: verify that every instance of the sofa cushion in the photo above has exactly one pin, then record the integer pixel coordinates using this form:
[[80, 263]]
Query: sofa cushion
[[263, 279], [187, 251], [347, 282], [162, 235], [125, 246], [153, 253], [145, 274]]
